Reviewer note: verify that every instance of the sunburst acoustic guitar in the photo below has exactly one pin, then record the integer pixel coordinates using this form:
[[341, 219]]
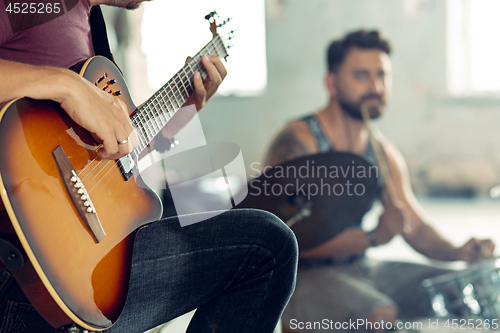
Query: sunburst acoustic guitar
[[68, 219]]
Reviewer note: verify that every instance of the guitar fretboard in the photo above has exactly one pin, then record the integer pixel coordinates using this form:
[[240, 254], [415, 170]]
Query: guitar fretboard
[[154, 114]]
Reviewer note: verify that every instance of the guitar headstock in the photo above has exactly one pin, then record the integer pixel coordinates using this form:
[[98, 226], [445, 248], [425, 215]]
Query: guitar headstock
[[220, 30]]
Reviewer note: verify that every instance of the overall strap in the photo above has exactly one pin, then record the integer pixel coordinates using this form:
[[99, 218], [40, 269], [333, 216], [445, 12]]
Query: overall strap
[[99, 33], [324, 145], [322, 141]]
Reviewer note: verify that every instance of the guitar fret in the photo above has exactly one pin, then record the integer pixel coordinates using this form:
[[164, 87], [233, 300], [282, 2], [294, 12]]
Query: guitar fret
[[145, 126], [149, 123], [154, 121], [201, 69], [163, 106], [139, 134], [183, 84], [212, 48], [190, 69], [177, 102], [155, 113], [178, 93], [171, 97], [179, 87], [146, 132], [158, 113], [142, 138], [157, 122], [221, 50], [138, 127], [171, 106], [188, 85], [169, 100], [215, 48]]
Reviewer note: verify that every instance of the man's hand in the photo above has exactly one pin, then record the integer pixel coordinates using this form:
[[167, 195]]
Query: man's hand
[[393, 221], [103, 115], [98, 112], [204, 90], [476, 249]]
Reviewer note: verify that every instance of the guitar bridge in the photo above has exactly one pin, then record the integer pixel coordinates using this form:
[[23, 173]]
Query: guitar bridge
[[78, 194]]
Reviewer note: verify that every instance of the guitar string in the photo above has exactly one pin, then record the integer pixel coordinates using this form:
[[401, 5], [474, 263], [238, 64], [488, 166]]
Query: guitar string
[[211, 46], [96, 165], [117, 174], [81, 173], [151, 110]]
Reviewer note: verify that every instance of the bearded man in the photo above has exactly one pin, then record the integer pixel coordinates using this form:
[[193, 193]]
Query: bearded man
[[335, 280]]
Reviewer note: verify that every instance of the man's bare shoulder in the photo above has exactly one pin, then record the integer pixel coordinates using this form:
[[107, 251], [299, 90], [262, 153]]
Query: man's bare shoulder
[[293, 141], [395, 159]]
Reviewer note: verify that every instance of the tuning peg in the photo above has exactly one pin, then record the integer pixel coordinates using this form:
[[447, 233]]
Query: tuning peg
[[230, 46], [211, 15], [224, 22], [229, 38], [232, 31]]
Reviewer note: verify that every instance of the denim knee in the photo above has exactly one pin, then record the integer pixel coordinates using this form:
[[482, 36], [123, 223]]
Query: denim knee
[[272, 229]]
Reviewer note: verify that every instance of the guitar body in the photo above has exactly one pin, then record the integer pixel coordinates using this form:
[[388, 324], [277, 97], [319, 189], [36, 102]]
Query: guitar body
[[68, 275]]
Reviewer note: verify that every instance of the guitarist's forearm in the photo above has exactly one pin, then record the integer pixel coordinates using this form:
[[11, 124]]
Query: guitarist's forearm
[[95, 110], [38, 82]]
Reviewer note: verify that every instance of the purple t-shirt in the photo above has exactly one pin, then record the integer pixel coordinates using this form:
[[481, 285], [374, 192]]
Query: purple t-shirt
[[61, 42]]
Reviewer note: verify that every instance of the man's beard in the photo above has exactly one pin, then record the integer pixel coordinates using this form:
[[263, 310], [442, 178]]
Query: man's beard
[[353, 109]]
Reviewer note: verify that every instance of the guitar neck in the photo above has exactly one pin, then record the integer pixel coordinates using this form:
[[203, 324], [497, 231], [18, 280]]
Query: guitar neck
[[154, 114]]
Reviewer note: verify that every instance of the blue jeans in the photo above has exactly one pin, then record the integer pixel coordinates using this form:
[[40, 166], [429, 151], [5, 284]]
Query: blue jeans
[[237, 269]]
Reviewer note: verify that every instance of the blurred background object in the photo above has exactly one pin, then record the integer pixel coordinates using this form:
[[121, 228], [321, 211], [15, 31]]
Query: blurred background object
[[444, 110], [445, 107], [443, 115]]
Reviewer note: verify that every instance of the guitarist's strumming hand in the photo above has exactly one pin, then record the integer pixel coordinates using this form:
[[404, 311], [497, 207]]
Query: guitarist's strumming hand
[[102, 114], [98, 112]]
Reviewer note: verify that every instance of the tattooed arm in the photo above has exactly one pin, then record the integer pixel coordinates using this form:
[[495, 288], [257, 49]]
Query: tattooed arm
[[294, 141]]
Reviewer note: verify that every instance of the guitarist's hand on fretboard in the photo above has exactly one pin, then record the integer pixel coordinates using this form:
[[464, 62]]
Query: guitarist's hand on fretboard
[[204, 90]]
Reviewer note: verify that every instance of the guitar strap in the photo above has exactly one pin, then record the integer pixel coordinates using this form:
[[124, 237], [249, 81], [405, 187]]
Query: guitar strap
[[99, 33]]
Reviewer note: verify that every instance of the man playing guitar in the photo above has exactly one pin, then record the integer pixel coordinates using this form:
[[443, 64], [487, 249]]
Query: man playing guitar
[[237, 269]]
